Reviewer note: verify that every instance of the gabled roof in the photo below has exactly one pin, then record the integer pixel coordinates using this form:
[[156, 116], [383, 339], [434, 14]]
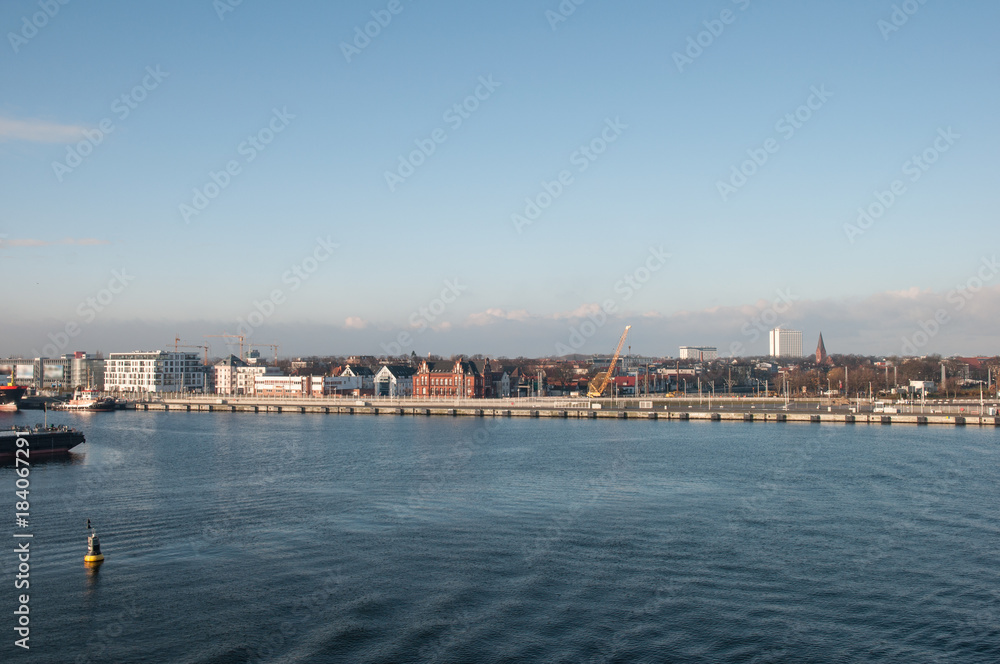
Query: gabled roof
[[357, 371], [231, 361], [398, 370], [448, 367]]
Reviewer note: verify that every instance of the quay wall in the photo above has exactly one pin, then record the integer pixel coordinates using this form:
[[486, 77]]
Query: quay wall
[[509, 409]]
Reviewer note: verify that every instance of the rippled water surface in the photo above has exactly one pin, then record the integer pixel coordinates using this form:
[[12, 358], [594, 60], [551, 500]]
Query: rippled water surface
[[300, 538]]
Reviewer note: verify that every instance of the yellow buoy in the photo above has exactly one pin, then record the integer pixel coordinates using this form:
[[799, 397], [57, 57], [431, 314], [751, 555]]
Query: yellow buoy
[[94, 555]]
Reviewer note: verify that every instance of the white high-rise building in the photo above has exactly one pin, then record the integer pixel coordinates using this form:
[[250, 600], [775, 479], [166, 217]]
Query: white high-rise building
[[785, 343], [700, 353], [154, 371]]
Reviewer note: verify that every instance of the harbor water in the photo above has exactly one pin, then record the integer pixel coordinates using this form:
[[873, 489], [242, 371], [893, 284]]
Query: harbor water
[[235, 537]]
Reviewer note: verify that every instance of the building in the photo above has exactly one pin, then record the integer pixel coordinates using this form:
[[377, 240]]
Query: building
[[451, 379], [40, 373], [224, 375], [277, 385], [785, 343], [922, 386], [356, 378], [85, 370], [821, 356], [154, 371], [700, 353], [394, 380], [234, 377]]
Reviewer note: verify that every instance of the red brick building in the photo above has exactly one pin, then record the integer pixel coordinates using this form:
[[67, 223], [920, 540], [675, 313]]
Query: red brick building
[[453, 379]]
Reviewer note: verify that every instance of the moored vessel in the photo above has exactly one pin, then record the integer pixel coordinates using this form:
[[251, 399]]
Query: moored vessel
[[40, 441], [86, 400], [10, 394]]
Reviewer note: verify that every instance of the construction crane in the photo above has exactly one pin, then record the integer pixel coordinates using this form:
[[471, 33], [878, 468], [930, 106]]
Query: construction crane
[[230, 336], [178, 344], [599, 383], [274, 346]]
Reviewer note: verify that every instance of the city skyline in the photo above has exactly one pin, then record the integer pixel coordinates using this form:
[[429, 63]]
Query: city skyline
[[499, 179]]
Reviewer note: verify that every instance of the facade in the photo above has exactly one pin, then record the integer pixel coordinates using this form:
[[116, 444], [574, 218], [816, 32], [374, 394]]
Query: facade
[[224, 375], [785, 343], [394, 380], [458, 379], [700, 353], [271, 385], [364, 378], [154, 371], [40, 373], [85, 370], [246, 377]]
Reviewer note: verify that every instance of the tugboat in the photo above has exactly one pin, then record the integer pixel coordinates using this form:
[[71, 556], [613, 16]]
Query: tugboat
[[38, 442], [86, 400]]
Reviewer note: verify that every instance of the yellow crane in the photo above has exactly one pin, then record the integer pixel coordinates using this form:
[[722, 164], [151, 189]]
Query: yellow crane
[[599, 383], [274, 346], [227, 337]]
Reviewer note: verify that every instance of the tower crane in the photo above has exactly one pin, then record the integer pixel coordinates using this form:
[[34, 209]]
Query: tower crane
[[230, 336], [599, 383], [178, 344], [274, 346]]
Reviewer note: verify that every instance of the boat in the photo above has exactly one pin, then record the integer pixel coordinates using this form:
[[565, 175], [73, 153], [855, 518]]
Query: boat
[[10, 394], [39, 442], [86, 401]]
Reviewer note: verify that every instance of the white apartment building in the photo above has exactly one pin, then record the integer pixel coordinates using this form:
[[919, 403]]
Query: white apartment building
[[154, 371], [700, 353], [224, 375], [785, 343], [394, 381]]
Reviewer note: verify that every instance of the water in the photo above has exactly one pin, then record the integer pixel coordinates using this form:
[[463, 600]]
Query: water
[[299, 538]]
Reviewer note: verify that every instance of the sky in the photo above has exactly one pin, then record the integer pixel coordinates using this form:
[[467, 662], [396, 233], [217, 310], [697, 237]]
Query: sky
[[521, 178]]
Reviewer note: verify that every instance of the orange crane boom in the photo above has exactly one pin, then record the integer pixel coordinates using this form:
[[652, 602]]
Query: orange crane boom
[[600, 381]]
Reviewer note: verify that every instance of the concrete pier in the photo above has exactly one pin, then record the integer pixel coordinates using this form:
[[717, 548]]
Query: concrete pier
[[581, 409]]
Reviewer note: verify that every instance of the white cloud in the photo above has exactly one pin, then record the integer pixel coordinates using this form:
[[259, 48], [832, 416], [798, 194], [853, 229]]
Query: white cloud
[[495, 315], [39, 131], [355, 323]]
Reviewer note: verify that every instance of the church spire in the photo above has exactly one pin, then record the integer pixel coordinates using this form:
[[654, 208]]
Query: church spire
[[821, 356]]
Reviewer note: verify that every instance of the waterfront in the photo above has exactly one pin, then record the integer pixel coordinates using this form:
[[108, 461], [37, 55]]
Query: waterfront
[[239, 537]]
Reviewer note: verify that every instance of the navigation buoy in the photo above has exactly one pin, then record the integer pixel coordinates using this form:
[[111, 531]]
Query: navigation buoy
[[94, 555]]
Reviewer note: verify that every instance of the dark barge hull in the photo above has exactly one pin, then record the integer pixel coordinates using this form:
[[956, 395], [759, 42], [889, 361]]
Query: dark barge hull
[[51, 441]]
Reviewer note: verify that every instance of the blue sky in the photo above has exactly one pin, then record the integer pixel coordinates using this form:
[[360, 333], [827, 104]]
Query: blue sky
[[210, 80]]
